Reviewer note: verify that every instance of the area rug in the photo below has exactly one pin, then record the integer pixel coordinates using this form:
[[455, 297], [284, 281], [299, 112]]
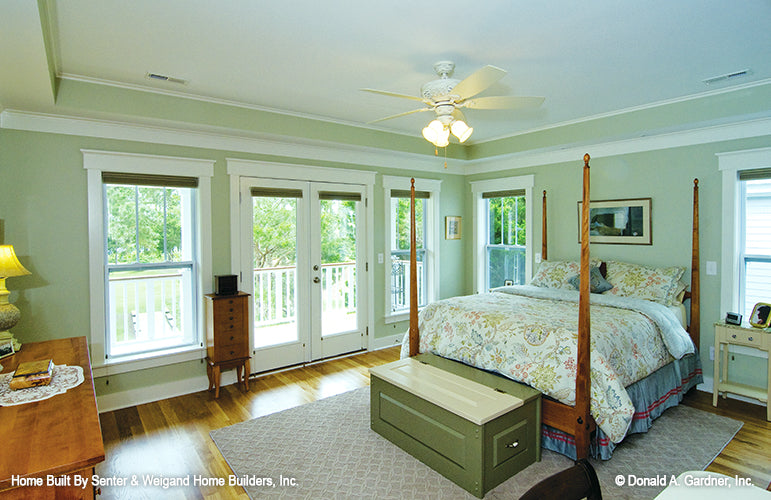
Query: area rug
[[326, 449]]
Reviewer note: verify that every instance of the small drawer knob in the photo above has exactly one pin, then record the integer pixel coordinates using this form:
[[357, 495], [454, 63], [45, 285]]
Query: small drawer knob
[[513, 445], [750, 339], [734, 335]]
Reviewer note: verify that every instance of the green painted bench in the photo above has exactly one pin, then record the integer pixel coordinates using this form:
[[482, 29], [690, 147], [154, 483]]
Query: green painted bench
[[473, 427]]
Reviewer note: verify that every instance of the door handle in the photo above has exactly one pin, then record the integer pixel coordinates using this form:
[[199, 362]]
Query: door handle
[[317, 280]]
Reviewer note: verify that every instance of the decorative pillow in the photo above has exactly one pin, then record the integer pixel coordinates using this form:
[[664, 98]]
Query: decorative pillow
[[597, 283], [556, 274], [660, 284]]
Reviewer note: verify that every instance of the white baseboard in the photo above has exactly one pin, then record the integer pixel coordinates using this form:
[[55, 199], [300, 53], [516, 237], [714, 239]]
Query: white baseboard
[[386, 342], [134, 397], [706, 386]]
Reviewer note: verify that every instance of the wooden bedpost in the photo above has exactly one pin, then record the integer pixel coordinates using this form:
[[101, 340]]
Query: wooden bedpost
[[543, 228], [695, 326], [583, 371], [413, 331]]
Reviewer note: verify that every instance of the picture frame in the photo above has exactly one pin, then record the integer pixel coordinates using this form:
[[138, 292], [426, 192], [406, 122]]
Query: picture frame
[[619, 222], [761, 315], [452, 227], [6, 348]]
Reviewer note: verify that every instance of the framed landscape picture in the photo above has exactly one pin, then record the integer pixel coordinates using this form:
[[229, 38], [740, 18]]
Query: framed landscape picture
[[452, 227], [625, 222]]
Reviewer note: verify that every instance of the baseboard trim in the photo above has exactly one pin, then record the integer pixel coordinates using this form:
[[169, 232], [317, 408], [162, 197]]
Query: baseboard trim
[[135, 397], [386, 342]]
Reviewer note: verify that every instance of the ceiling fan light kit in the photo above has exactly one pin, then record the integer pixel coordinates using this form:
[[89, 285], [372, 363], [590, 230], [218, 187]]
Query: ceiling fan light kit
[[445, 96]]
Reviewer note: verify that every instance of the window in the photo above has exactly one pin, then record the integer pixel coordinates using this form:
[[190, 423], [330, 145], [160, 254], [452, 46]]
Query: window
[[502, 213], [400, 248], [745, 277], [397, 238], [506, 235], [755, 239], [149, 258], [150, 262]]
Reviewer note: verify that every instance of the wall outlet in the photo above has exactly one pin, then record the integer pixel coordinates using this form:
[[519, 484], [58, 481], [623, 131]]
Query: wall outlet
[[712, 353], [380, 258], [538, 258], [711, 268]]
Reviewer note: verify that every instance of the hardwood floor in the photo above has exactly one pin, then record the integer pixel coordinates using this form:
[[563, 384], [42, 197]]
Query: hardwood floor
[[169, 439]]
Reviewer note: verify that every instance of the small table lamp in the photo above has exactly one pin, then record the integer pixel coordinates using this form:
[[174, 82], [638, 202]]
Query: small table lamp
[[9, 313]]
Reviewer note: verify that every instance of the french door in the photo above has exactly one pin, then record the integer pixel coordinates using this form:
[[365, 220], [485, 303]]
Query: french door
[[303, 263]]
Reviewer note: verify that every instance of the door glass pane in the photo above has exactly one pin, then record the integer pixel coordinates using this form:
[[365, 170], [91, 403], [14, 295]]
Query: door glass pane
[[274, 243], [338, 266]]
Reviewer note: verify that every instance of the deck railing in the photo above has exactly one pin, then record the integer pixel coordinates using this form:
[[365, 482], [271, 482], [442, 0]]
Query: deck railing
[[145, 310], [274, 292]]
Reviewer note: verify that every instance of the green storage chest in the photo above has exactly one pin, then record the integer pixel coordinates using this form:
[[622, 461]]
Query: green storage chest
[[473, 427]]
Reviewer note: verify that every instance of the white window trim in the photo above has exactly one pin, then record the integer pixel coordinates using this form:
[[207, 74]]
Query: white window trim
[[96, 162], [525, 182], [433, 237], [730, 164]]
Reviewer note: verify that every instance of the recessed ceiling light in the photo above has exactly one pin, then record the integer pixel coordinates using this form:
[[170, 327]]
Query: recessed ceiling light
[[727, 76], [165, 78]]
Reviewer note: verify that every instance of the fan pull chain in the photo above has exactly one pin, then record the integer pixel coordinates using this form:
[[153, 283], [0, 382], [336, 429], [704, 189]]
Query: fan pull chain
[[445, 157]]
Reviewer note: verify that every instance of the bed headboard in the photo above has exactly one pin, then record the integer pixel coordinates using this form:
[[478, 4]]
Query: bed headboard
[[694, 325]]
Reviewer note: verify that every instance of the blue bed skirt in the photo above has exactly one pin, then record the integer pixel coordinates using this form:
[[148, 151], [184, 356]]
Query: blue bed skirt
[[660, 390]]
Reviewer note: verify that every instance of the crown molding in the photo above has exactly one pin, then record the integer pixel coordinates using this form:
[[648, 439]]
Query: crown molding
[[634, 109], [224, 102], [227, 140], [310, 150], [704, 135]]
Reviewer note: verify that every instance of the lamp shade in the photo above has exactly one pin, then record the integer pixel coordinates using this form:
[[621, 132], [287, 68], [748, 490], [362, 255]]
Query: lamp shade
[[9, 264], [461, 130]]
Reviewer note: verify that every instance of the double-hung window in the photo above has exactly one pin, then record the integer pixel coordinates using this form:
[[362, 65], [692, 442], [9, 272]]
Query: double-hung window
[[397, 236], [150, 263], [506, 235], [502, 214], [755, 239], [746, 230], [150, 258]]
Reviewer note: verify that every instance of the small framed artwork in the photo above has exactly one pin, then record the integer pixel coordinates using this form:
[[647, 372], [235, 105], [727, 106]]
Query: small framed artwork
[[452, 227], [621, 222], [761, 315], [6, 348]]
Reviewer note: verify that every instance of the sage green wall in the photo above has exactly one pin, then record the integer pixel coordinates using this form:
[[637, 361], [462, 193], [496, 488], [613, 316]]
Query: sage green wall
[[43, 209], [43, 203], [665, 176]]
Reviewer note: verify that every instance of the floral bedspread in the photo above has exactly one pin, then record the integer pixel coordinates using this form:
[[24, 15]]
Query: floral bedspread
[[530, 334]]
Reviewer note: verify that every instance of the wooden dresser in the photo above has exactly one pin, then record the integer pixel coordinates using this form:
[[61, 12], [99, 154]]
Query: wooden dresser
[[227, 337], [57, 439]]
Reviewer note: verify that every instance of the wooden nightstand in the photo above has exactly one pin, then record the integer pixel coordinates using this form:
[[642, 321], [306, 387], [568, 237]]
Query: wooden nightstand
[[756, 338], [227, 337]]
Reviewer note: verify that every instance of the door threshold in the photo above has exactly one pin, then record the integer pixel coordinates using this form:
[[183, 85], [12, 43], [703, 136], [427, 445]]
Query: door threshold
[[303, 365]]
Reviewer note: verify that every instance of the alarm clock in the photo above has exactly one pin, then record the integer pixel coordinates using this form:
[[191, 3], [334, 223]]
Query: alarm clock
[[733, 318]]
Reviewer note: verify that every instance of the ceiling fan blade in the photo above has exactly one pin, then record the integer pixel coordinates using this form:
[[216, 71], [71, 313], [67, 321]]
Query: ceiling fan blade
[[400, 114], [458, 115], [478, 81], [502, 102], [394, 94]]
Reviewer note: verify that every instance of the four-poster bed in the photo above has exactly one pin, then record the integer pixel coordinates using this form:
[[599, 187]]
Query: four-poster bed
[[574, 424]]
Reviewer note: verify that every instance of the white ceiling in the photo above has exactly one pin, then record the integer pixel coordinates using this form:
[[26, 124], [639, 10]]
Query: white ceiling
[[311, 57]]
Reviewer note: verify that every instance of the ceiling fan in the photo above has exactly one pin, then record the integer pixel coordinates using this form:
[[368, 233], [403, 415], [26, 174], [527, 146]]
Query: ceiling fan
[[446, 96]]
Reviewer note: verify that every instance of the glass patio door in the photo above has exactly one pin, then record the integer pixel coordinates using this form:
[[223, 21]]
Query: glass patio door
[[337, 233], [302, 247]]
